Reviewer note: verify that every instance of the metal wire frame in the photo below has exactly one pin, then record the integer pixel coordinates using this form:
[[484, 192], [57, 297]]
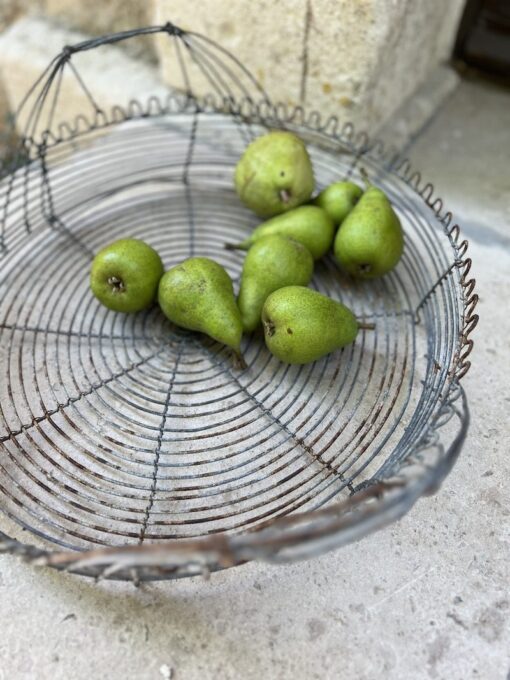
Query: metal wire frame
[[134, 447]]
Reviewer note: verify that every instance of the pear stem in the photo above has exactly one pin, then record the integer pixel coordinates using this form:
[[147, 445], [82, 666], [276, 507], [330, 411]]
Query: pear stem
[[284, 195], [244, 245], [365, 178], [238, 361], [366, 326]]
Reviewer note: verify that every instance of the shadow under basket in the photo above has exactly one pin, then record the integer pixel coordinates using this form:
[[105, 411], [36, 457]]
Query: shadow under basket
[[132, 449]]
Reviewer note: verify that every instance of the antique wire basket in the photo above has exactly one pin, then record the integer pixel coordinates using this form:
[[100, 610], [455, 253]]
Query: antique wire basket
[[132, 449]]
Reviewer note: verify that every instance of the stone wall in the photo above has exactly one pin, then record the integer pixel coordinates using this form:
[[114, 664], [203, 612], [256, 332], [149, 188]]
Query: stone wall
[[356, 59], [98, 17], [94, 17]]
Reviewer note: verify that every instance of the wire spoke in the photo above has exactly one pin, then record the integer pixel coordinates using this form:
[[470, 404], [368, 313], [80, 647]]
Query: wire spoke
[[157, 451], [59, 226], [74, 334], [84, 88], [85, 393], [186, 182], [274, 419]]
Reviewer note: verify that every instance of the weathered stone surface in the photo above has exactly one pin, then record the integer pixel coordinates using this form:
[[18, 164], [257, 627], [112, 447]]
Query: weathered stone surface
[[247, 29], [415, 112], [98, 17], [10, 10], [7, 138], [112, 77], [357, 60]]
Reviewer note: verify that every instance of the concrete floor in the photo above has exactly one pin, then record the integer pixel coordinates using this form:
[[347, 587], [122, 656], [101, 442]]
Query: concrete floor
[[425, 598], [465, 149]]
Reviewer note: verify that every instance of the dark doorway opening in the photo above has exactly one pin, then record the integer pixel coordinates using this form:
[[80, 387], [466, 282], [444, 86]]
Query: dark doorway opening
[[483, 40]]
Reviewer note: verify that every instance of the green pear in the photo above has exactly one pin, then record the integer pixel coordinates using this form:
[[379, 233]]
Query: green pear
[[307, 224], [370, 240], [339, 199], [125, 275], [274, 174], [302, 325], [198, 294], [273, 262]]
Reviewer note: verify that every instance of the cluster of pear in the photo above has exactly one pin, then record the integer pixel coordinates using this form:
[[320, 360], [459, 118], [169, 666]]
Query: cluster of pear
[[274, 178]]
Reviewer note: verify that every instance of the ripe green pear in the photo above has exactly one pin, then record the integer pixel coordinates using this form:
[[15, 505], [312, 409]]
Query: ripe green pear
[[307, 224], [370, 240], [274, 174], [198, 294], [339, 199], [271, 263], [125, 275], [302, 325]]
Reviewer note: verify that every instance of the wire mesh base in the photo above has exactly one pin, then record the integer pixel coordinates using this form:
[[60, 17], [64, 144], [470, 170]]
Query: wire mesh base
[[119, 430], [130, 448]]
